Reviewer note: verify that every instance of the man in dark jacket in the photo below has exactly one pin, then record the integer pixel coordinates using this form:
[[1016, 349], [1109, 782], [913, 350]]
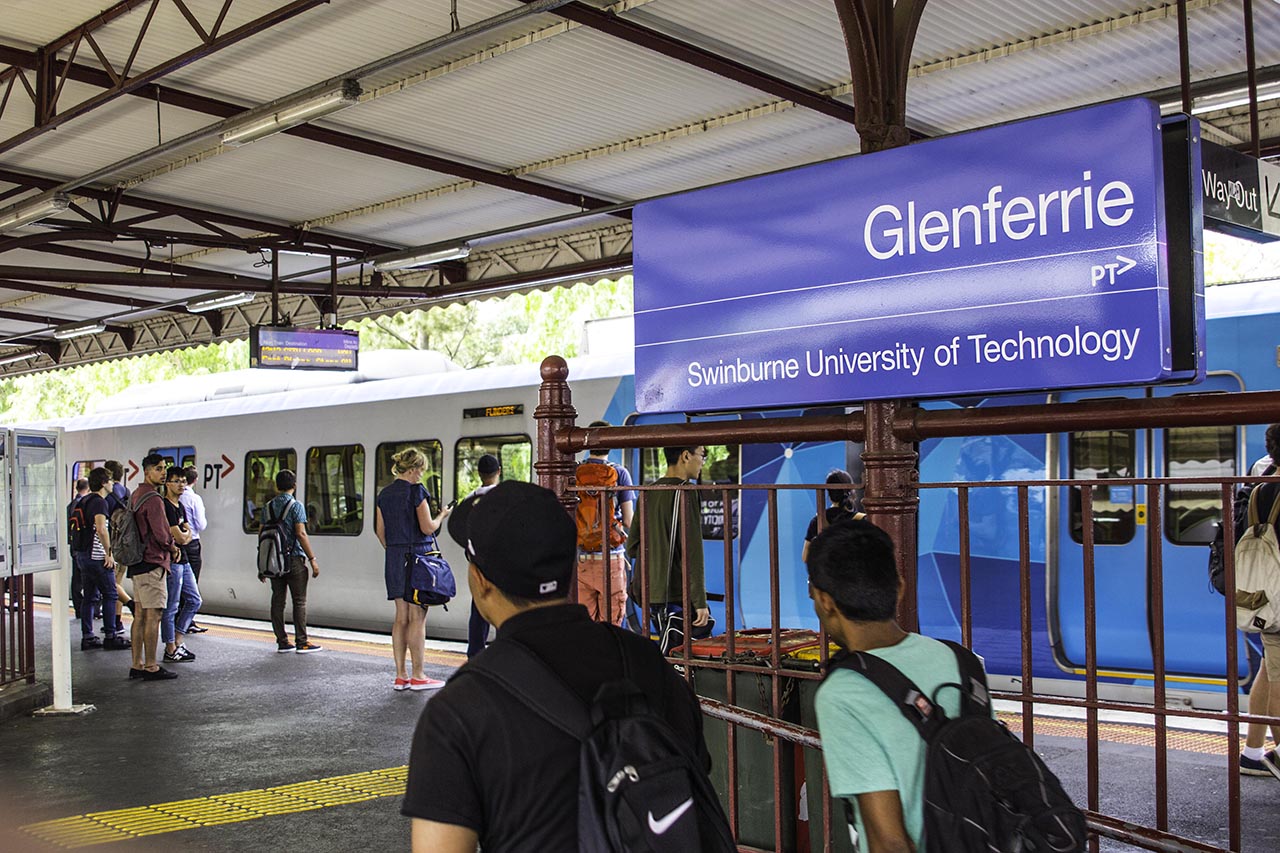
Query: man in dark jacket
[[485, 767]]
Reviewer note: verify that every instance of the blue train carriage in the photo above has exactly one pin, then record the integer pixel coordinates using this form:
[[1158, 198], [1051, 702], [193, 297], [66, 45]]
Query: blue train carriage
[[1242, 353]]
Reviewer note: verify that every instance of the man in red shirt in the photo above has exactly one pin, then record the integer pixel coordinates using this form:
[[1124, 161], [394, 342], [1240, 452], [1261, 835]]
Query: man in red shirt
[[150, 587]]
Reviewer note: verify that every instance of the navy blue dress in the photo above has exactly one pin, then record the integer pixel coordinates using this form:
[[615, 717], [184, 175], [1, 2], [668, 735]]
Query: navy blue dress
[[399, 505]]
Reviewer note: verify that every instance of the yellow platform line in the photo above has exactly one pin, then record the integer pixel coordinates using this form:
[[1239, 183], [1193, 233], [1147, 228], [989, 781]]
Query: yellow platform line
[[95, 828], [1205, 743]]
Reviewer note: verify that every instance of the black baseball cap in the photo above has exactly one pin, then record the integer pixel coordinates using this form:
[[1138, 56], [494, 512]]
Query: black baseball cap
[[489, 464], [520, 537]]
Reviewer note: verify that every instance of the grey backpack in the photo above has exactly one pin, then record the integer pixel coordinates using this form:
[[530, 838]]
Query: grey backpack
[[126, 538]]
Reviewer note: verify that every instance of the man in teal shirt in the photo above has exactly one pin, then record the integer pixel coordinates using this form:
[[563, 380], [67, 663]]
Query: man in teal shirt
[[874, 756]]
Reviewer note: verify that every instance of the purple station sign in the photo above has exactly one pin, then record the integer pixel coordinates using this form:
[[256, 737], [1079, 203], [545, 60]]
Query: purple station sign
[[1027, 256]]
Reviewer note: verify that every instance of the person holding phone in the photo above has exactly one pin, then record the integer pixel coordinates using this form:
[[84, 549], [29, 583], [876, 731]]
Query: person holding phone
[[404, 525]]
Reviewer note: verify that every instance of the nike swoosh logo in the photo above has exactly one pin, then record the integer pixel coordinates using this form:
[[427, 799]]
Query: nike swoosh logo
[[658, 827]]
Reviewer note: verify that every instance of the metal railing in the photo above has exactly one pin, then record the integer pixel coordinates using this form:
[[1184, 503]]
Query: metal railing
[[17, 631], [775, 712]]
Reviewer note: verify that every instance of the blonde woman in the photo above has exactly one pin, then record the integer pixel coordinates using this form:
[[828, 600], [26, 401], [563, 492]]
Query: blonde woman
[[404, 525]]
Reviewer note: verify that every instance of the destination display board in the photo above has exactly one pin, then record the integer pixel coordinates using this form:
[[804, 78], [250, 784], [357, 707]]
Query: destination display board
[[1026, 256], [283, 348]]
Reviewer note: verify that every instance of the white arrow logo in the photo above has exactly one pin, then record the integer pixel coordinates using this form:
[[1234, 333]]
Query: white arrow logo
[[658, 827], [1129, 263]]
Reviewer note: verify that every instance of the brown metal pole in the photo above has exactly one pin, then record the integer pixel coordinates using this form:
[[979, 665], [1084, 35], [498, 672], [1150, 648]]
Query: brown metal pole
[[1184, 57], [1251, 63], [554, 468]]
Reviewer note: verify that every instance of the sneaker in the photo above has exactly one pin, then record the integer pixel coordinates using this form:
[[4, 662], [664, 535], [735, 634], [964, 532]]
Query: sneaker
[[136, 673], [425, 684], [195, 629], [308, 647], [400, 684], [160, 674], [179, 655], [115, 643], [93, 641], [1263, 766], [282, 648]]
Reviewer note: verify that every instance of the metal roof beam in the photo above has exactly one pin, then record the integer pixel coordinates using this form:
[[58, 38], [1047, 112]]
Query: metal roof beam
[[50, 78], [673, 48], [193, 214], [84, 295]]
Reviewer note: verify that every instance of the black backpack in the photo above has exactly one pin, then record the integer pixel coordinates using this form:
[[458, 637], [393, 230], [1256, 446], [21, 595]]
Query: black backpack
[[985, 791], [639, 788], [275, 542], [79, 527]]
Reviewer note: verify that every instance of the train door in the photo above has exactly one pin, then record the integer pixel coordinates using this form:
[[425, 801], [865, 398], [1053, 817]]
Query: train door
[[1120, 555], [183, 455], [722, 465], [1193, 611], [1193, 620]]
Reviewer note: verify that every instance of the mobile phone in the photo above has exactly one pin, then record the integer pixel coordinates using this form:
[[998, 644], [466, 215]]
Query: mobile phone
[[451, 504]]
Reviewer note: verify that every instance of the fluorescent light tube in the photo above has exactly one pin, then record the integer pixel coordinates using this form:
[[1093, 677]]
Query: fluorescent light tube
[[26, 212], [220, 300], [17, 357], [291, 115], [421, 257], [79, 330]]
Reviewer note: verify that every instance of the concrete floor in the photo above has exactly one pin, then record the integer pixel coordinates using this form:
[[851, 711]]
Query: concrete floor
[[242, 718]]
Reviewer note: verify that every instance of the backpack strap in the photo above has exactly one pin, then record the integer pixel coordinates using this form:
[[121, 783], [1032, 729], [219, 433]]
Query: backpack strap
[[518, 670], [975, 699], [919, 709]]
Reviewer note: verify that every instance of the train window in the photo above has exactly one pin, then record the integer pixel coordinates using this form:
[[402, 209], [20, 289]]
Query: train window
[[1191, 511], [180, 455], [335, 490], [82, 469], [432, 477], [1104, 455], [515, 452], [260, 482], [720, 466]]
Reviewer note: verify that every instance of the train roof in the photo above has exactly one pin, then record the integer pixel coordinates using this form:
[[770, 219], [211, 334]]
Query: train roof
[[1242, 299], [390, 375]]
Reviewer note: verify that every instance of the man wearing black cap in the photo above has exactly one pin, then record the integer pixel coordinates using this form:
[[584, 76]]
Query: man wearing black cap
[[485, 767], [477, 629]]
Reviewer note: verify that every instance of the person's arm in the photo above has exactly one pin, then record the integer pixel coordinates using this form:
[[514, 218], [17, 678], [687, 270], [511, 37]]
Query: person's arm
[[804, 552], [426, 523], [429, 836], [379, 529], [198, 521], [300, 530], [104, 536], [883, 825]]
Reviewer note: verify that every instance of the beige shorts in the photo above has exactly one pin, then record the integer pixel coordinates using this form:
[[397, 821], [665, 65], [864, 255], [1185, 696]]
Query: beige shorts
[[1271, 656], [151, 590]]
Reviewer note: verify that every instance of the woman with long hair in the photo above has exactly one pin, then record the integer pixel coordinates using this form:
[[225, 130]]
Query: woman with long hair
[[404, 526], [844, 504]]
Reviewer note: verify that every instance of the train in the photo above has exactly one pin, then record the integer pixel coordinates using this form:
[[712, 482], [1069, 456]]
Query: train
[[338, 431]]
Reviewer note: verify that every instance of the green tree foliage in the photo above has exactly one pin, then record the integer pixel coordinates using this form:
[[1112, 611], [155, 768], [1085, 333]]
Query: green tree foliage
[[76, 390], [515, 329], [1228, 259]]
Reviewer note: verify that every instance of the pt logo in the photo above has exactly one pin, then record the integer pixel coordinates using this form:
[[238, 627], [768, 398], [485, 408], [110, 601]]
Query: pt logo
[[215, 471]]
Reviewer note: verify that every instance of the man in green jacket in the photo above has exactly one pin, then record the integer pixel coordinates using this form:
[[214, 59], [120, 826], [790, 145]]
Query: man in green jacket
[[671, 545]]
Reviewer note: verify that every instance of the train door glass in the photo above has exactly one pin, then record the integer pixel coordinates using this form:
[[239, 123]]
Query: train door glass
[[1120, 550], [515, 452], [260, 483], [432, 475], [335, 490], [180, 455], [1194, 643], [82, 469]]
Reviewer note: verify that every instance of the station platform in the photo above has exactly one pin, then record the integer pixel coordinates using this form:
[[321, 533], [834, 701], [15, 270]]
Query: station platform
[[254, 750]]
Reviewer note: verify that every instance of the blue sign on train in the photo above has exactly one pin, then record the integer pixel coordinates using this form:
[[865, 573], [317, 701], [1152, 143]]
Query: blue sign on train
[[1026, 256]]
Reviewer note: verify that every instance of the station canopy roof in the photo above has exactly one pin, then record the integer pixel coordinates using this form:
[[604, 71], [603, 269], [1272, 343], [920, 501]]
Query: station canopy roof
[[520, 129]]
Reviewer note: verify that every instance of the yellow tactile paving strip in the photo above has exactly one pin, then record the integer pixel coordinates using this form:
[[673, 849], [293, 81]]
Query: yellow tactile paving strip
[[1206, 743], [105, 827]]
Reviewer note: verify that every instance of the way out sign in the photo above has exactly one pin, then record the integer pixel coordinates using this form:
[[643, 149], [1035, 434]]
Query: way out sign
[[1033, 255]]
